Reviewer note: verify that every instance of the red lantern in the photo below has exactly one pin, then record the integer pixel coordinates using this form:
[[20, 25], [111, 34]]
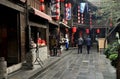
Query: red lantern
[[78, 17], [57, 17], [81, 15], [57, 11], [98, 30], [82, 19], [42, 7], [74, 29], [69, 5], [78, 10], [57, 0], [78, 21], [57, 5], [66, 5], [90, 23], [82, 22], [87, 31], [41, 1]]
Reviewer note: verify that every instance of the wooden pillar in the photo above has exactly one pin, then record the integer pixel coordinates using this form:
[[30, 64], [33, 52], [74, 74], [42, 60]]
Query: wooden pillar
[[118, 65]]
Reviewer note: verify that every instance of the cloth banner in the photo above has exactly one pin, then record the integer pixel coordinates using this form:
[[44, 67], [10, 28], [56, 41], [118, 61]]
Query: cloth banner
[[82, 7], [68, 13]]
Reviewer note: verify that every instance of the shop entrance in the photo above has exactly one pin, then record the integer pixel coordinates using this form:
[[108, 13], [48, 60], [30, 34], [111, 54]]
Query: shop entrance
[[9, 36]]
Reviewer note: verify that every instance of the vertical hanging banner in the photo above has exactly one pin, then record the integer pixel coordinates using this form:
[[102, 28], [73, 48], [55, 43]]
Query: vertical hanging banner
[[82, 7], [68, 11], [55, 8]]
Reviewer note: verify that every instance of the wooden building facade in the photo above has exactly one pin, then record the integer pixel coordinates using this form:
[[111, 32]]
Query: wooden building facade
[[20, 21]]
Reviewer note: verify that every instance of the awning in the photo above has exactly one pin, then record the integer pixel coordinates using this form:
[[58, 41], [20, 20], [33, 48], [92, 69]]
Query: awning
[[41, 14], [64, 24], [54, 23]]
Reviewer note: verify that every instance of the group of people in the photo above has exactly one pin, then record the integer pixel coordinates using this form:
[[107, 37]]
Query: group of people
[[81, 41]]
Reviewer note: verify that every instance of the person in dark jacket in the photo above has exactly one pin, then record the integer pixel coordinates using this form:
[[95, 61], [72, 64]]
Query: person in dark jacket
[[88, 44], [80, 44]]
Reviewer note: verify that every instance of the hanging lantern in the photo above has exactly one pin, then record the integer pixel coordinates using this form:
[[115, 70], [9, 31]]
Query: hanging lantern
[[57, 17], [90, 23], [82, 22], [57, 5], [42, 7], [69, 5], [78, 17], [41, 1], [57, 0], [82, 18], [98, 30], [66, 5], [78, 21], [82, 15], [87, 31], [74, 29], [57, 11]]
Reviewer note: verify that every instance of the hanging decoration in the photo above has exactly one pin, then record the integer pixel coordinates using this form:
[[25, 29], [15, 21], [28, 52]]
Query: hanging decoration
[[41, 1], [55, 9], [57, 0], [87, 31], [74, 29], [69, 5], [57, 5], [82, 18], [98, 30], [78, 14], [42, 7], [57, 17], [90, 20], [68, 11]]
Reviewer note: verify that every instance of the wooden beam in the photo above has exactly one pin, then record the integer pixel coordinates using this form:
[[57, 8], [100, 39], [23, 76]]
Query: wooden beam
[[37, 25], [11, 5]]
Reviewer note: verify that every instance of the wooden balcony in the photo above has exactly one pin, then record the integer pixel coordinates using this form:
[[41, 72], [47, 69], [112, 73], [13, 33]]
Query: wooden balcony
[[37, 4]]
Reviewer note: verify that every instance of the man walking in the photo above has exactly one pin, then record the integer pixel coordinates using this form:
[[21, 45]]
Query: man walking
[[80, 43], [88, 44]]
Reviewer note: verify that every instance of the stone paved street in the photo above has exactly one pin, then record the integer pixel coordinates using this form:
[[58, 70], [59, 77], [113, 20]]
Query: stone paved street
[[80, 66]]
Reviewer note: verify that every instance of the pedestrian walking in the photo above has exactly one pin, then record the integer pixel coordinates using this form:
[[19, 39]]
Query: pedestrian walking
[[88, 44], [80, 44], [66, 43]]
